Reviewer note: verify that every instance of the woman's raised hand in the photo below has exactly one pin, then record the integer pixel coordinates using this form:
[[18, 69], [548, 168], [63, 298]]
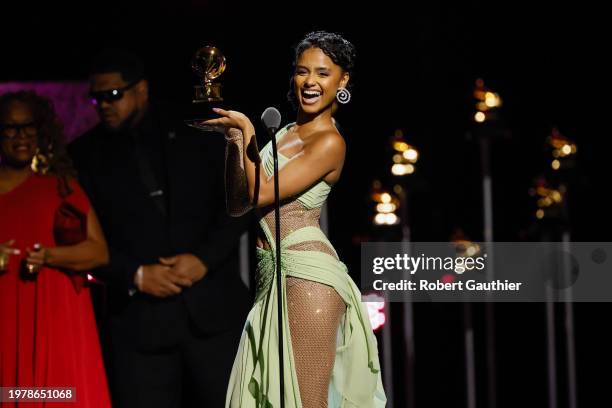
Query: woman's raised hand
[[230, 120]]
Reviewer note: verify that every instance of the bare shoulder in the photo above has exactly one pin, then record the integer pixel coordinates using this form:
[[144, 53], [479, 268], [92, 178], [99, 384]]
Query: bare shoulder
[[328, 142]]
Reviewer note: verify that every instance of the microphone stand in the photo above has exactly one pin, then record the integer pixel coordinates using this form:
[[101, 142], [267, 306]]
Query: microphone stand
[[279, 283]]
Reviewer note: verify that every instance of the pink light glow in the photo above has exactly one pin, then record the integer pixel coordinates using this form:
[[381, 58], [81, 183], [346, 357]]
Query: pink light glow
[[70, 99], [376, 310]]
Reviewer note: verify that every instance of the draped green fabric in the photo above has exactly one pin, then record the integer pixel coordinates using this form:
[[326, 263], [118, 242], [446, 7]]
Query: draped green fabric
[[254, 382]]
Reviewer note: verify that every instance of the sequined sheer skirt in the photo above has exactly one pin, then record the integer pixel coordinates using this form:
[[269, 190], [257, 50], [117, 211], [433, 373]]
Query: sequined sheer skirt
[[315, 311]]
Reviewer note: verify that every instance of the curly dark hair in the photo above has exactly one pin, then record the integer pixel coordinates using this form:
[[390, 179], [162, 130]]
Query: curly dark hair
[[50, 130], [341, 51]]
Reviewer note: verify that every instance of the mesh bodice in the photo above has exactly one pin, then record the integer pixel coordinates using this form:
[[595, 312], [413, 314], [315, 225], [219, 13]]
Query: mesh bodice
[[294, 216]]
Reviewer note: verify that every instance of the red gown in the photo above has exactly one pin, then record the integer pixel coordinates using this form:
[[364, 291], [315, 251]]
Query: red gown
[[48, 334]]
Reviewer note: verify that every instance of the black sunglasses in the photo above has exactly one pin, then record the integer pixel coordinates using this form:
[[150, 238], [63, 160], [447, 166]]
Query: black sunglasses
[[110, 95], [12, 130]]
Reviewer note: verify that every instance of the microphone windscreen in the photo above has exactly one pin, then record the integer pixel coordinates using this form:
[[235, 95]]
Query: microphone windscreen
[[271, 118]]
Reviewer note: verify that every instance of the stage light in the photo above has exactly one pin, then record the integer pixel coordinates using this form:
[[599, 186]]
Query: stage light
[[391, 219], [472, 250], [375, 305], [566, 149], [398, 142], [544, 202], [380, 219], [386, 219], [448, 278], [492, 100], [466, 248], [549, 199], [562, 150], [376, 191], [386, 207], [405, 156], [402, 169], [400, 146], [486, 100], [411, 155], [398, 169]]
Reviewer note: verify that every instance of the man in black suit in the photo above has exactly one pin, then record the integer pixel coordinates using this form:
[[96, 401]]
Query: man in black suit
[[177, 304]]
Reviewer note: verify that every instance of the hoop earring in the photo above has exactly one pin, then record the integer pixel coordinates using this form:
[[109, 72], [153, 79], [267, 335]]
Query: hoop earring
[[343, 95], [40, 163]]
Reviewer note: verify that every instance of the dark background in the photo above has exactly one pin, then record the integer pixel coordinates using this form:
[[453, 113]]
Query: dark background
[[417, 63]]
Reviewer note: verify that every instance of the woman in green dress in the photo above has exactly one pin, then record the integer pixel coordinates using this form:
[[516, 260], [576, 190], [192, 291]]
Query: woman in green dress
[[331, 356]]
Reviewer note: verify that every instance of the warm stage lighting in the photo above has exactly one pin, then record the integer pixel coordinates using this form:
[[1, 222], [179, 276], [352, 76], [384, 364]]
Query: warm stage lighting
[[402, 169], [549, 198], [486, 100], [400, 146], [411, 155], [566, 149], [405, 156], [492, 100], [562, 148], [386, 207]]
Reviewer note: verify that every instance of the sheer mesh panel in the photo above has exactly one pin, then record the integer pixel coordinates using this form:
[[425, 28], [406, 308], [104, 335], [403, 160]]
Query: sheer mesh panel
[[315, 312], [314, 246], [293, 217]]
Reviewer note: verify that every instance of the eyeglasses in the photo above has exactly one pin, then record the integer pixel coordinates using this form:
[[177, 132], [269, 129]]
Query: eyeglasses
[[111, 95], [11, 130]]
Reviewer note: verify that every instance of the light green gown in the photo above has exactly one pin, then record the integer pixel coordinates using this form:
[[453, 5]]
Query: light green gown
[[254, 381]]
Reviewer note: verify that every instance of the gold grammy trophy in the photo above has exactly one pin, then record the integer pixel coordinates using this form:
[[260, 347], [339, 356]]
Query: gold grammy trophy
[[208, 64]]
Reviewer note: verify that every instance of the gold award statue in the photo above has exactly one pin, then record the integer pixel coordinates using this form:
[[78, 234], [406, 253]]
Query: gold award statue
[[208, 64]]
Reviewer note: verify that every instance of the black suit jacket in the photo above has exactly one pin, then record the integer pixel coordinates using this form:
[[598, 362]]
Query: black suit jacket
[[140, 224]]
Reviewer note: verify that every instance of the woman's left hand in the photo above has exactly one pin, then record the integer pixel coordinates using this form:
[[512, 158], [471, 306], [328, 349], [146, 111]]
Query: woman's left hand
[[230, 119]]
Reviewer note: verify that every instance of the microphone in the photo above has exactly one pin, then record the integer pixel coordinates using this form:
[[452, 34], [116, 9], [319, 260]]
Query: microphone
[[271, 119]]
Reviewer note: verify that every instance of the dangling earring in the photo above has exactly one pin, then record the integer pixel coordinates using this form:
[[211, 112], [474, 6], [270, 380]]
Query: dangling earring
[[40, 162], [343, 95]]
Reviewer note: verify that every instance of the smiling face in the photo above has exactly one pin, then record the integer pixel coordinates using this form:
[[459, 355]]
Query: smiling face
[[19, 139], [316, 80]]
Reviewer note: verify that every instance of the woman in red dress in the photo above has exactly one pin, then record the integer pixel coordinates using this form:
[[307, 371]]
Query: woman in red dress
[[48, 334]]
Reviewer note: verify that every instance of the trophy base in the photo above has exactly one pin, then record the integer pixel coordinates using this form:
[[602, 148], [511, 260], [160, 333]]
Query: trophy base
[[197, 124], [201, 111]]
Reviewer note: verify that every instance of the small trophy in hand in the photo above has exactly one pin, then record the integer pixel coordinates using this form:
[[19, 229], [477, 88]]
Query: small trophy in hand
[[208, 64]]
